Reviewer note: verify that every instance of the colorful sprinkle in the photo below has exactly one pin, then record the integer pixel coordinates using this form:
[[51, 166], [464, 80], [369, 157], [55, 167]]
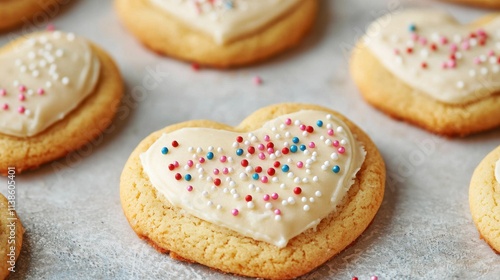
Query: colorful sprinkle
[[164, 150], [336, 169]]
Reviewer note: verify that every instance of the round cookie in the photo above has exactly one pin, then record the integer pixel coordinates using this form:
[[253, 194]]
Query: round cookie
[[484, 194], [169, 35], [16, 12], [492, 4], [388, 74], [171, 230], [11, 238], [79, 126]]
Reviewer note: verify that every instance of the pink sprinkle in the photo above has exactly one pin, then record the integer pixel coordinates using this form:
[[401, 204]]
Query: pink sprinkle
[[5, 106], [481, 32], [40, 91], [275, 196], [190, 188], [190, 163], [330, 132], [288, 122], [216, 171], [444, 65], [374, 278], [201, 160], [277, 212], [176, 163], [396, 51], [477, 60], [270, 150], [300, 164], [264, 179], [465, 45], [454, 48], [302, 127], [312, 145], [266, 197], [423, 41], [223, 159], [444, 40], [235, 212], [22, 88], [335, 143], [3, 92], [267, 138], [262, 156], [22, 97], [452, 63], [50, 27], [341, 150], [21, 109], [414, 36], [257, 80], [491, 53], [261, 147], [225, 170]]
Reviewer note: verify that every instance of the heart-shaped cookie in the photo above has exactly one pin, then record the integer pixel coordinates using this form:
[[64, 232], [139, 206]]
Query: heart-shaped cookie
[[57, 93], [424, 67], [42, 79], [432, 52], [225, 21], [270, 184], [246, 185]]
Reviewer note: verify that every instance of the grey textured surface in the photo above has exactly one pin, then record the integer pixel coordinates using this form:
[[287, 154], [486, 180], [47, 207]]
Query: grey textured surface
[[71, 208]]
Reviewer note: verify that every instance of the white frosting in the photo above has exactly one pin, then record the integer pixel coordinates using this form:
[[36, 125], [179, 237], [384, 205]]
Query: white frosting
[[282, 214], [226, 20], [42, 79], [472, 73], [497, 171]]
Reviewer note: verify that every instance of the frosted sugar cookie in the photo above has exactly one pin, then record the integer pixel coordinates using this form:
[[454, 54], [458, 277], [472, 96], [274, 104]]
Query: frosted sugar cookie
[[274, 197]]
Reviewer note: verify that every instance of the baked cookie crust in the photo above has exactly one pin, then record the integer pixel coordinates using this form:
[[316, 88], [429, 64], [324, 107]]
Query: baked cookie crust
[[15, 12], [191, 239]]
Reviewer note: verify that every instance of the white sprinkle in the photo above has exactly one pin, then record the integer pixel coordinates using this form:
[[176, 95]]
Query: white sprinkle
[[210, 149], [318, 194], [328, 117], [472, 73], [236, 196], [27, 112], [251, 186], [70, 37], [484, 71], [18, 62], [235, 144], [258, 189], [329, 126], [243, 176], [48, 84], [277, 217], [290, 174], [65, 81], [269, 205], [59, 53], [16, 83], [323, 167], [287, 134], [315, 179], [273, 129], [296, 180], [306, 208], [304, 199], [30, 92], [483, 58], [312, 200], [277, 136], [399, 60], [204, 193], [199, 150], [219, 150], [190, 149], [457, 38], [225, 190], [248, 169], [233, 191], [282, 186], [210, 204], [328, 142], [473, 42], [284, 202], [291, 200], [458, 55], [495, 69], [308, 171], [186, 167], [250, 204], [23, 69], [343, 142], [460, 84], [297, 122], [282, 126], [232, 184], [424, 53], [219, 207], [275, 179], [493, 60], [48, 46], [340, 129], [246, 142], [305, 180], [31, 55]]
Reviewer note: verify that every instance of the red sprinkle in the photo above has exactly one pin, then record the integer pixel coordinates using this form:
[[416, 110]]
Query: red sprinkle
[[258, 169], [271, 171], [217, 182], [251, 150], [178, 176], [434, 47], [277, 164], [195, 66], [171, 167], [270, 145], [409, 50], [248, 198], [244, 163], [239, 139], [310, 129], [424, 65], [285, 150], [297, 190], [175, 144]]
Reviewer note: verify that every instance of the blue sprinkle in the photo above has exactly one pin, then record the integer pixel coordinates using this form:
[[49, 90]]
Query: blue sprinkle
[[210, 155], [293, 148], [319, 123], [336, 169], [295, 140], [285, 168], [187, 177], [164, 150], [255, 176], [303, 147], [412, 27], [239, 152]]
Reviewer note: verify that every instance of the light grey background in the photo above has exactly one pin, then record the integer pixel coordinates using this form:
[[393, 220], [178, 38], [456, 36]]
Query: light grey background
[[71, 209]]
